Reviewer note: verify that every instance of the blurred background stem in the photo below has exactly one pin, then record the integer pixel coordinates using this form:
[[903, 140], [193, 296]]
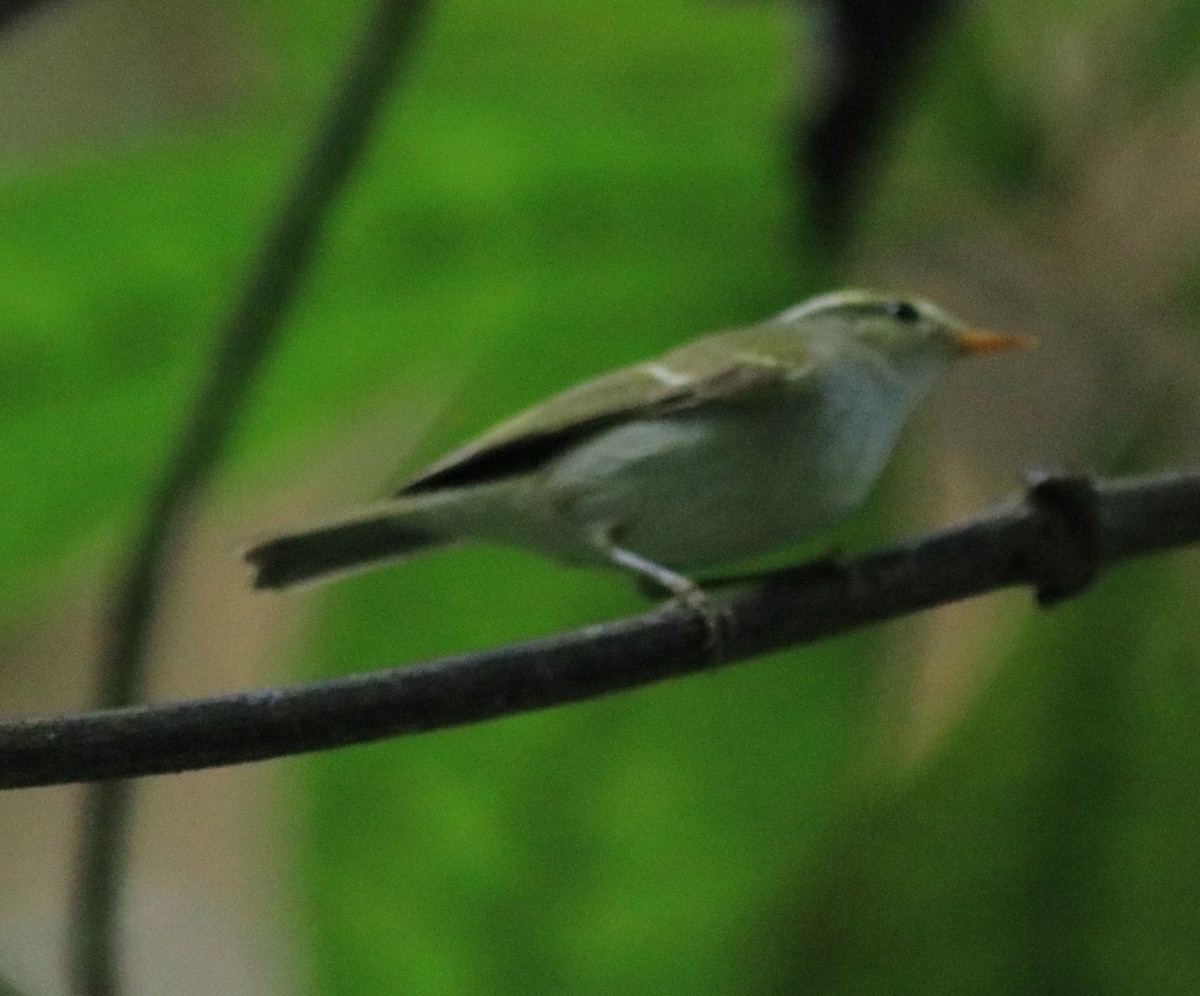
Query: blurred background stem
[[243, 348], [865, 58]]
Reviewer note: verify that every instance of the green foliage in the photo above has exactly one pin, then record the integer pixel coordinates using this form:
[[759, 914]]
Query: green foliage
[[108, 284], [561, 188], [623, 845], [1048, 847]]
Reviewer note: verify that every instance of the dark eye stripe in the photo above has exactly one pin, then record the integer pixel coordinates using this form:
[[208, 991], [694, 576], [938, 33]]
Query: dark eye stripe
[[902, 310]]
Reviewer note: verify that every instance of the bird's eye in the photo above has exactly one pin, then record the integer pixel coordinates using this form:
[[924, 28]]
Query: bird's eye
[[902, 311]]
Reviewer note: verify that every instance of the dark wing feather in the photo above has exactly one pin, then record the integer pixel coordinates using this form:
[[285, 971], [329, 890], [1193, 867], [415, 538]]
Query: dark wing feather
[[728, 367]]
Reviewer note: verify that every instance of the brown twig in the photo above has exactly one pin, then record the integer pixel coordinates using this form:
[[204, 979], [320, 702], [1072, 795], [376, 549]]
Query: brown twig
[[1055, 538]]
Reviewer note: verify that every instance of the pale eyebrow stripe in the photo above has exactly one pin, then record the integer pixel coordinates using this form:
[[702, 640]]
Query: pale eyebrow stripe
[[822, 301], [757, 359], [665, 375]]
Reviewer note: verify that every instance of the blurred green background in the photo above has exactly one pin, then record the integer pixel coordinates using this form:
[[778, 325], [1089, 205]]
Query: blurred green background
[[987, 799]]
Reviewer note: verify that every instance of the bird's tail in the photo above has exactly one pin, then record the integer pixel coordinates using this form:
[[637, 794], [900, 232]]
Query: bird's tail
[[330, 551]]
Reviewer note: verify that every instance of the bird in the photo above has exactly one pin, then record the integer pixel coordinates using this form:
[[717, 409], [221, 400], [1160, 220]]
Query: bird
[[733, 445]]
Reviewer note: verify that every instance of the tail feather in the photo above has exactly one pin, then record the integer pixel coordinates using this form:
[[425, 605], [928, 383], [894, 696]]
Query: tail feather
[[327, 551]]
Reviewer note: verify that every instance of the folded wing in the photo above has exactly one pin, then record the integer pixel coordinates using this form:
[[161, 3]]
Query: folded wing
[[725, 369]]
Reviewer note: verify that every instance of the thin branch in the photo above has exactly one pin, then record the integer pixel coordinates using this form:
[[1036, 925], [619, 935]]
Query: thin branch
[[1057, 537], [244, 347], [14, 12]]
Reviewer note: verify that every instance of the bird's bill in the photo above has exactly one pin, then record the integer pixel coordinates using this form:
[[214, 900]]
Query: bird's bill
[[968, 341]]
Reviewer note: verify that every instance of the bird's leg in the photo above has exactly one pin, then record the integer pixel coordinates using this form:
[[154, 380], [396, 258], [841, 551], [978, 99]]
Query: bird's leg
[[717, 622], [655, 577]]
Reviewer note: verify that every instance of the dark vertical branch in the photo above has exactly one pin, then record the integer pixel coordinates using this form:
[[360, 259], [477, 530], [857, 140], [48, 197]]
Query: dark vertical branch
[[866, 53], [14, 12], [243, 348]]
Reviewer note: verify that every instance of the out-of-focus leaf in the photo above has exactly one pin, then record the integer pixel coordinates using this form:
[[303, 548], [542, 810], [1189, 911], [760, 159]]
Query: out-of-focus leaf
[[1049, 844], [625, 845], [1164, 47], [971, 133], [109, 285]]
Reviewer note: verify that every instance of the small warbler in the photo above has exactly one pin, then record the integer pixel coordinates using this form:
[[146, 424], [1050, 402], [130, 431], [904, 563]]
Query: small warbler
[[728, 447]]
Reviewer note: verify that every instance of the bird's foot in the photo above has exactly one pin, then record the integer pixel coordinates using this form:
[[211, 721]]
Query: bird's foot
[[654, 580]]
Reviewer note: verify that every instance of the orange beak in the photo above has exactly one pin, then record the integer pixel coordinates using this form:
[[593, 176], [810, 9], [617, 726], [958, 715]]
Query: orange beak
[[978, 341]]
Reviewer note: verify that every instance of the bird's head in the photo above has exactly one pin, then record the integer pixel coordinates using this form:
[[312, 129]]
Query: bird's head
[[899, 328]]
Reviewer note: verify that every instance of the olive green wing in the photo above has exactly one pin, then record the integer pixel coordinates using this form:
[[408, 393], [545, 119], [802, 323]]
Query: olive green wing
[[726, 368]]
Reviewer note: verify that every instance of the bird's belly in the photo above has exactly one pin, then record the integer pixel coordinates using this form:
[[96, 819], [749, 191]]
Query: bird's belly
[[694, 492]]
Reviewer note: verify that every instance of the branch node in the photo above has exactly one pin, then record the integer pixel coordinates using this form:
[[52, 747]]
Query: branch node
[[1064, 555], [1057, 539]]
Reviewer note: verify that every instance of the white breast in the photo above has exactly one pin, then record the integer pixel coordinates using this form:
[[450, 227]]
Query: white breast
[[716, 486]]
